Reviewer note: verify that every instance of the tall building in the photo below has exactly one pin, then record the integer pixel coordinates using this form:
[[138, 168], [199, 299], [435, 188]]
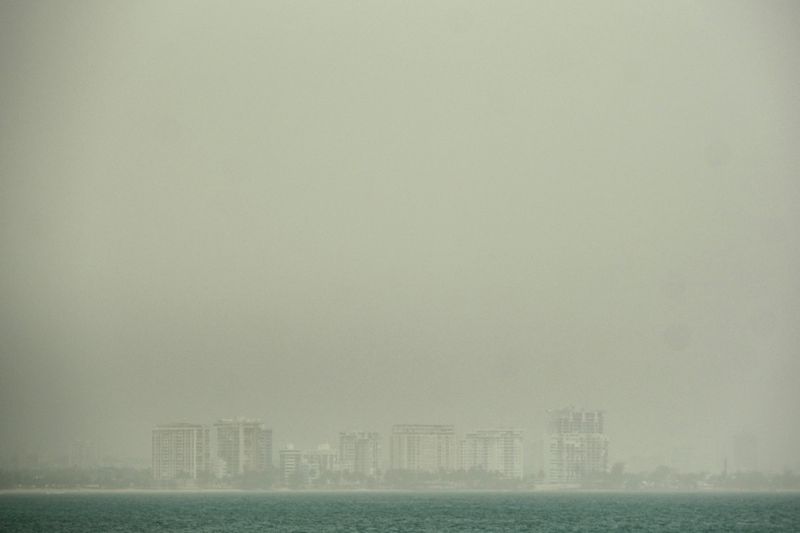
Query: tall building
[[291, 463], [493, 450], [359, 453], [320, 461], [423, 448], [244, 445], [180, 451], [577, 445]]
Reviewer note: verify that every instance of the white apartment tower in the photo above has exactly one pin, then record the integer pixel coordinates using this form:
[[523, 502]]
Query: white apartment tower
[[493, 450], [320, 461], [359, 452], [180, 451], [423, 448], [291, 466], [577, 445], [244, 445]]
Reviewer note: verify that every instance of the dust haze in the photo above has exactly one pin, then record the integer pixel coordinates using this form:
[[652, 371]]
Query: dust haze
[[343, 216]]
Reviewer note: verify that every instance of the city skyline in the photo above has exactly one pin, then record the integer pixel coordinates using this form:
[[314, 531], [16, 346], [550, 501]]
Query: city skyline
[[553, 455], [450, 265], [738, 452], [184, 451], [336, 217]]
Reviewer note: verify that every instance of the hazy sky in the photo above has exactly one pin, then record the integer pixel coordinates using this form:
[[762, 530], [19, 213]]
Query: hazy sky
[[335, 215]]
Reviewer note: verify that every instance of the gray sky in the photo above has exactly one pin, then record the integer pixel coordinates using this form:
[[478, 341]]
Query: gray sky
[[337, 215]]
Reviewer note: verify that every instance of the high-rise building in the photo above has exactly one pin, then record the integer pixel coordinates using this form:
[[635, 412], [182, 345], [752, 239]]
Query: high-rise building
[[320, 461], [493, 450], [244, 445], [359, 452], [180, 451], [577, 445], [291, 464], [423, 448]]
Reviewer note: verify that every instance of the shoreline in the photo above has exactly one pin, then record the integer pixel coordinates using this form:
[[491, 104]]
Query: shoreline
[[548, 490]]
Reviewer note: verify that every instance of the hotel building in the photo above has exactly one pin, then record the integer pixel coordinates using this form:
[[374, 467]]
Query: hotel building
[[180, 451], [493, 450], [577, 445], [423, 448], [244, 445], [359, 453]]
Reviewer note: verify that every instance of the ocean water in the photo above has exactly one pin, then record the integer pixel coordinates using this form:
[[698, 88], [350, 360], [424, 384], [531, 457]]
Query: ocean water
[[399, 511]]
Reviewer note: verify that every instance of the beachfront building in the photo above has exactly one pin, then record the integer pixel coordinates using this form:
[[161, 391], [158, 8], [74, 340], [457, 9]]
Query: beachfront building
[[423, 448], [291, 465], [493, 450], [243, 445], [359, 453], [181, 451], [577, 445], [320, 462]]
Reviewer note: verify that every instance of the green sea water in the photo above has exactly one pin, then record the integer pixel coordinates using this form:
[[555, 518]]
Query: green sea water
[[400, 511]]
